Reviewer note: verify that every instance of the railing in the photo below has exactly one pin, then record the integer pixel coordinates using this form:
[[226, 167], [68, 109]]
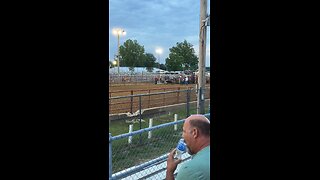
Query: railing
[[123, 79], [131, 79], [130, 102], [143, 154]]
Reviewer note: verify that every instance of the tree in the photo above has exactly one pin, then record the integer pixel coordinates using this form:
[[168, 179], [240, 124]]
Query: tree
[[182, 57], [163, 67], [157, 65], [149, 61], [132, 54]]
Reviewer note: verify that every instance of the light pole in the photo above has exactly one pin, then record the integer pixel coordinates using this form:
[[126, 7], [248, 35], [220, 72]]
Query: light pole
[[202, 57], [118, 32], [159, 52]]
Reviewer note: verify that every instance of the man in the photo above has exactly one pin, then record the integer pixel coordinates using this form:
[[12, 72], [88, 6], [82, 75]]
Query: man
[[196, 134]]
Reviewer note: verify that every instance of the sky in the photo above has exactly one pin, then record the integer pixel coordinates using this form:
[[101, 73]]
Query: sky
[[157, 24]]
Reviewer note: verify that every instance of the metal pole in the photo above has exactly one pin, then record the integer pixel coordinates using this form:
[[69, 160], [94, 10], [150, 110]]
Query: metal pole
[[118, 52], [131, 101], [140, 116], [202, 57], [188, 100], [110, 157], [158, 68], [159, 61]]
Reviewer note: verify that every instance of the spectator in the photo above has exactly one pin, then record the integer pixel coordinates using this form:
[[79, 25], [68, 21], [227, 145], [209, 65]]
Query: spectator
[[181, 80], [196, 133], [186, 80], [155, 80]]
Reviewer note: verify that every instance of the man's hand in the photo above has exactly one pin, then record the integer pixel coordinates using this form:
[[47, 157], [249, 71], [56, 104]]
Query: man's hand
[[172, 164]]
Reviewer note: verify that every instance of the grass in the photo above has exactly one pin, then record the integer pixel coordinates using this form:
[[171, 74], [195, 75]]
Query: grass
[[121, 126], [127, 155]]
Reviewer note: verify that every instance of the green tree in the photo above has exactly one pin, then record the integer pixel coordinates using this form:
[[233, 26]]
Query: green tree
[[149, 62], [181, 55], [157, 65], [163, 67], [132, 54]]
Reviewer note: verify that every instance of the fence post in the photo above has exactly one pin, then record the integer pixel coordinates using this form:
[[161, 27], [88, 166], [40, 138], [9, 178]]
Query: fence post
[[175, 120], [130, 130], [110, 157], [131, 98], [149, 99], [150, 125], [140, 116], [164, 97], [188, 100], [178, 95]]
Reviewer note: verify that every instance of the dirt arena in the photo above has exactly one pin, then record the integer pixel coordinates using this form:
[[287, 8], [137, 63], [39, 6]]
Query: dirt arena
[[126, 104], [144, 86]]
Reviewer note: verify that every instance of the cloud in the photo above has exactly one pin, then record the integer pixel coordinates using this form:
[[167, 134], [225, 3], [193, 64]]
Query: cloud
[[155, 23]]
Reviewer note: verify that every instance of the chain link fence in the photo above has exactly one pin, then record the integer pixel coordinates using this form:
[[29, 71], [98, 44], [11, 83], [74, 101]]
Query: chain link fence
[[142, 154], [143, 136]]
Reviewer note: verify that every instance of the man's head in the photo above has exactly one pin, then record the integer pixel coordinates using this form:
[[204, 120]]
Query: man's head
[[196, 132]]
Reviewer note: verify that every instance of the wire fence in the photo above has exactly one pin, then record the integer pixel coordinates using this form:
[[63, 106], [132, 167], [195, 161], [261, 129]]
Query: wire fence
[[147, 131], [137, 154]]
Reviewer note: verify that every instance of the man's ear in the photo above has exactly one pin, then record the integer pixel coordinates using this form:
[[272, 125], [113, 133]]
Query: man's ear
[[195, 132]]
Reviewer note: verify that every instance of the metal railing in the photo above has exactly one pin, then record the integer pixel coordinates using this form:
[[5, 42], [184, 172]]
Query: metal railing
[[131, 79], [123, 78], [132, 103], [128, 158]]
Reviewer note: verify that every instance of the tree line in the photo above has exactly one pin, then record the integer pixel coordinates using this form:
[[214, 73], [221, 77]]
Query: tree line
[[181, 57]]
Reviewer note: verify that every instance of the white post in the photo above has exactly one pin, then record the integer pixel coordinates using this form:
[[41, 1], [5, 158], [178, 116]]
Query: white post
[[130, 130], [150, 125], [175, 120]]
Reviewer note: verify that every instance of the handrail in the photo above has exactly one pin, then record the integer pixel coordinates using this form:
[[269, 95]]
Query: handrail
[[144, 130], [157, 93]]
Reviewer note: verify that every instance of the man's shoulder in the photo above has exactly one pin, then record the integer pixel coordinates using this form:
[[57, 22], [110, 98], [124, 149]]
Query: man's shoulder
[[196, 163], [199, 161], [194, 169]]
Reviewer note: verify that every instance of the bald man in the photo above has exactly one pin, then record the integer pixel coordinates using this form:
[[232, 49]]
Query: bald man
[[196, 134]]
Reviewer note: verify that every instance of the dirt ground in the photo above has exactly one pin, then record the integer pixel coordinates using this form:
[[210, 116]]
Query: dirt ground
[[144, 86]]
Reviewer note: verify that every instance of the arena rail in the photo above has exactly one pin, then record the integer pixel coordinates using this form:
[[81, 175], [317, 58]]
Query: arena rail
[[125, 103]]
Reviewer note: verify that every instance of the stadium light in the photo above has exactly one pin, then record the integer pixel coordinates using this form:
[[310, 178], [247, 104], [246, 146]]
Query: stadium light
[[159, 52], [118, 32]]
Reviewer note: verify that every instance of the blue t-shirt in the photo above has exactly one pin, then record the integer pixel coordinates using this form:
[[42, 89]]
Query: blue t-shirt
[[196, 168]]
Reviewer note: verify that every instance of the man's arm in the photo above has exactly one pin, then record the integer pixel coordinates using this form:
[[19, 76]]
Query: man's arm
[[171, 165], [169, 175]]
